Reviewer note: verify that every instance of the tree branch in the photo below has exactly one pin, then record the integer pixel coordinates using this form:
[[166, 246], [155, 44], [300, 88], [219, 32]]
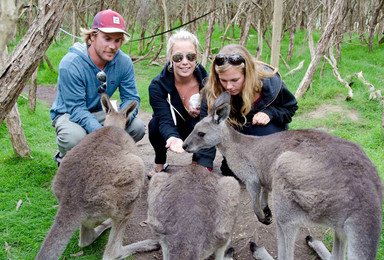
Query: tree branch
[[337, 75], [295, 69]]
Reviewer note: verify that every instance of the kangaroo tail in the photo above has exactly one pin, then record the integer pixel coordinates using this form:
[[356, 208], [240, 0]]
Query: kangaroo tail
[[65, 224]]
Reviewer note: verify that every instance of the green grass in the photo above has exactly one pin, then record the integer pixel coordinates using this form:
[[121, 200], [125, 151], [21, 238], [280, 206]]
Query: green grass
[[29, 180]]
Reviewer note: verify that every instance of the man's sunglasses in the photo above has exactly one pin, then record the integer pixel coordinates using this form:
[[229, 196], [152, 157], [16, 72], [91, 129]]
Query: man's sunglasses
[[179, 57], [102, 77], [234, 59]]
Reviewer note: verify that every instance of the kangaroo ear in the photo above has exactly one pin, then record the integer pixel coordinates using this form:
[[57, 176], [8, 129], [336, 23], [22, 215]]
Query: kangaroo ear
[[224, 97], [221, 108], [221, 113], [106, 103], [129, 109]]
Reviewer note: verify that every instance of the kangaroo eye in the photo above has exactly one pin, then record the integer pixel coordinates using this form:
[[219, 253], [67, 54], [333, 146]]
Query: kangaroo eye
[[201, 134]]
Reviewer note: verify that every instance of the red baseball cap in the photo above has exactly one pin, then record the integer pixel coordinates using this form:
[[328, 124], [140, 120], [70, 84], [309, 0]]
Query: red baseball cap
[[109, 21]]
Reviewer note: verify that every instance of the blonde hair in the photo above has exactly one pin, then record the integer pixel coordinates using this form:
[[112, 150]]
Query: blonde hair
[[182, 34], [86, 35], [254, 73]]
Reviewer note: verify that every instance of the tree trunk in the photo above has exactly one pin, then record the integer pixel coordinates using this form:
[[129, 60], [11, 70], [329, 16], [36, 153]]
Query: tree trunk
[[361, 14], [247, 26], [375, 16], [32, 91], [379, 32], [18, 68], [310, 39], [74, 22], [186, 11], [15, 129], [165, 13], [310, 25], [382, 121], [9, 17], [101, 6], [292, 31], [33, 85], [338, 41], [259, 50], [48, 62], [321, 48], [208, 34], [235, 17], [113, 4], [276, 33]]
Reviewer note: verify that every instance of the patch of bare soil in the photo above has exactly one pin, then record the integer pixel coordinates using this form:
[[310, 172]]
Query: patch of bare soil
[[324, 110], [247, 226]]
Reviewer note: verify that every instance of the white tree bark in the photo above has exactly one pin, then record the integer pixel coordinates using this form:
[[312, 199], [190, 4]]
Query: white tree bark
[[15, 129], [32, 92], [166, 25], [18, 68], [208, 34], [260, 41], [9, 17], [321, 48], [247, 27], [276, 33]]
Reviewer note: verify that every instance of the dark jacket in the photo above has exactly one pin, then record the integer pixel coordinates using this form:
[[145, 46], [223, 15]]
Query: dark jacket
[[276, 101], [160, 87]]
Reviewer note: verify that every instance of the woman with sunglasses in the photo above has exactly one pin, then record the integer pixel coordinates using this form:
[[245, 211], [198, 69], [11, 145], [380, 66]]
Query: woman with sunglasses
[[170, 95], [261, 103]]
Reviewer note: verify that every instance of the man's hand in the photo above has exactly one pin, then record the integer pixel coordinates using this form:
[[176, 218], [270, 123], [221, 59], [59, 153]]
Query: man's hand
[[175, 145], [260, 118]]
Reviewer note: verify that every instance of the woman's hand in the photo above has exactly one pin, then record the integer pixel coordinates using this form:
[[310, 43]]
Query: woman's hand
[[260, 118], [194, 111], [175, 145]]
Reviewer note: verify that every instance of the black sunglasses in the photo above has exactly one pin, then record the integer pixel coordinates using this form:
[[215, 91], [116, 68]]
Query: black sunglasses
[[102, 77], [179, 57], [234, 59]]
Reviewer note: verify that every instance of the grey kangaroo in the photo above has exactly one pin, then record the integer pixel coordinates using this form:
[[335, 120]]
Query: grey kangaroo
[[192, 212], [314, 178], [99, 179]]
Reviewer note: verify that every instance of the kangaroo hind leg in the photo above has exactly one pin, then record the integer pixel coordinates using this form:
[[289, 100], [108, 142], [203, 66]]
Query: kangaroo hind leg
[[89, 233], [318, 247], [286, 234], [220, 252], [115, 248], [259, 253], [363, 239]]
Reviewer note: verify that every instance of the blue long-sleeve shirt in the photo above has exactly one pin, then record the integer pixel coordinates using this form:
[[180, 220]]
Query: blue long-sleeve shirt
[[77, 86]]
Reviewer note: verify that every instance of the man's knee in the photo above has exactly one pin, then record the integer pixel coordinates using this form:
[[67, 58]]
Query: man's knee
[[136, 129], [68, 134]]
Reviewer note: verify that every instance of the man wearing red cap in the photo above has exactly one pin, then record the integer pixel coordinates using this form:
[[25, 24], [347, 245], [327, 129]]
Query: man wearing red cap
[[87, 71]]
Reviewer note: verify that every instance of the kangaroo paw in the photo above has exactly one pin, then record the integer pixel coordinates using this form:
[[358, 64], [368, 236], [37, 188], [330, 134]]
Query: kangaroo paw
[[265, 221], [268, 213], [230, 253], [308, 239]]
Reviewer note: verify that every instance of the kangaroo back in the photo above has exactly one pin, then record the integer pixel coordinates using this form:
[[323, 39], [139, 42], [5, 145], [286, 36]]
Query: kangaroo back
[[192, 211]]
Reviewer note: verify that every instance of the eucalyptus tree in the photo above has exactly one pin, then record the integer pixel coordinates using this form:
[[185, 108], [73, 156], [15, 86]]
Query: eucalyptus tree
[[19, 66]]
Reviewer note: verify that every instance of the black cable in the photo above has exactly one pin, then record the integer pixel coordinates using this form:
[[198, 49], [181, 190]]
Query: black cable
[[177, 27]]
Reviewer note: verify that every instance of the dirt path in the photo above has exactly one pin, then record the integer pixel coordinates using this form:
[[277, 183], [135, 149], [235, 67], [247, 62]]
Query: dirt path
[[247, 227]]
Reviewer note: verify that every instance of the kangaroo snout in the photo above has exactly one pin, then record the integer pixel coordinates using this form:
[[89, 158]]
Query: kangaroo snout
[[188, 148], [185, 147]]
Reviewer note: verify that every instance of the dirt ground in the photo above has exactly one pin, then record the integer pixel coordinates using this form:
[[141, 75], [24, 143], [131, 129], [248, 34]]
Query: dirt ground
[[247, 227]]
